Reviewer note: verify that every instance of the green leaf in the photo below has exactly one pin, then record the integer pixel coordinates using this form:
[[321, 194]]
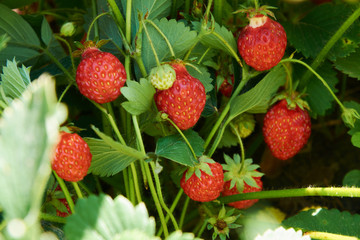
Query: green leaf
[[350, 64], [52, 44], [4, 39], [256, 100], [14, 79], [311, 33], [20, 33], [217, 38], [203, 76], [110, 157], [174, 147], [16, 3], [46, 32], [180, 37], [352, 178], [318, 97], [28, 132], [139, 96], [101, 217], [355, 139], [323, 220]]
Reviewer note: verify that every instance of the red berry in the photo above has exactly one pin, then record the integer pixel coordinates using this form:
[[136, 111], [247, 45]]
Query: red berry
[[100, 75], [63, 214], [245, 203], [285, 130], [262, 43], [72, 157], [207, 187], [184, 101], [226, 87]]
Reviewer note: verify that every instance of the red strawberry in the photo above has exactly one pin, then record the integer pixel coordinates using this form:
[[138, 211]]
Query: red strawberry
[[100, 75], [241, 176], [63, 214], [204, 182], [72, 157], [245, 203], [286, 130], [262, 43], [184, 101], [226, 87]]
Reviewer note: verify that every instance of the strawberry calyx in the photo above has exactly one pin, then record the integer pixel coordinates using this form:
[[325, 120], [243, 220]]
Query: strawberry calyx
[[252, 12], [162, 77], [293, 100], [202, 165], [223, 222], [239, 172], [88, 47]]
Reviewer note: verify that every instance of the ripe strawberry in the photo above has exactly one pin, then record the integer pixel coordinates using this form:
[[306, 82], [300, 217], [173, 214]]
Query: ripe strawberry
[[245, 203], [241, 177], [100, 75], [204, 182], [286, 130], [262, 43], [184, 101], [226, 87], [63, 201], [72, 157]]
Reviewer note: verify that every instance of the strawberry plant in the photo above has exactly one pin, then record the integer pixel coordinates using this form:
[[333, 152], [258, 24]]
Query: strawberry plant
[[179, 119]]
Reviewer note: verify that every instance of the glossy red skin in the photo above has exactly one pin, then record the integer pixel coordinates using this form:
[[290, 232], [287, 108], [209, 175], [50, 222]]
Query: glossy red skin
[[207, 188], [226, 87], [262, 47], [286, 131], [245, 203], [100, 76], [72, 157], [184, 101]]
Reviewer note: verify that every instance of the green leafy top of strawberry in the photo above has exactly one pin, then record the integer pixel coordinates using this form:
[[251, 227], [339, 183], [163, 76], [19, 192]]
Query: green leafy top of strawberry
[[202, 165], [293, 99], [239, 172], [223, 223]]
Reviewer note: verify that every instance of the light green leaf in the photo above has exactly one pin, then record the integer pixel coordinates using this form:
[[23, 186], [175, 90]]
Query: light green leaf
[[318, 97], [218, 38], [256, 100], [4, 39], [355, 139], [350, 64], [324, 220], [139, 96], [20, 32], [180, 37], [203, 76], [28, 132], [352, 178], [175, 148], [14, 79], [311, 34], [101, 217], [110, 157]]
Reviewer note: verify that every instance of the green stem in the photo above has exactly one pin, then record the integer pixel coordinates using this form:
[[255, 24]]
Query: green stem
[[231, 50], [65, 191], [98, 184], [69, 49], [161, 198], [202, 229], [183, 136], [323, 53], [187, 6], [289, 87], [172, 208], [242, 149], [156, 200], [96, 26], [128, 36], [173, 9], [126, 183], [93, 23], [52, 218], [329, 236], [203, 56], [65, 91], [131, 186], [165, 38], [298, 192], [56, 61], [117, 14], [318, 76], [136, 182], [77, 190], [86, 189], [207, 11], [183, 212]]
